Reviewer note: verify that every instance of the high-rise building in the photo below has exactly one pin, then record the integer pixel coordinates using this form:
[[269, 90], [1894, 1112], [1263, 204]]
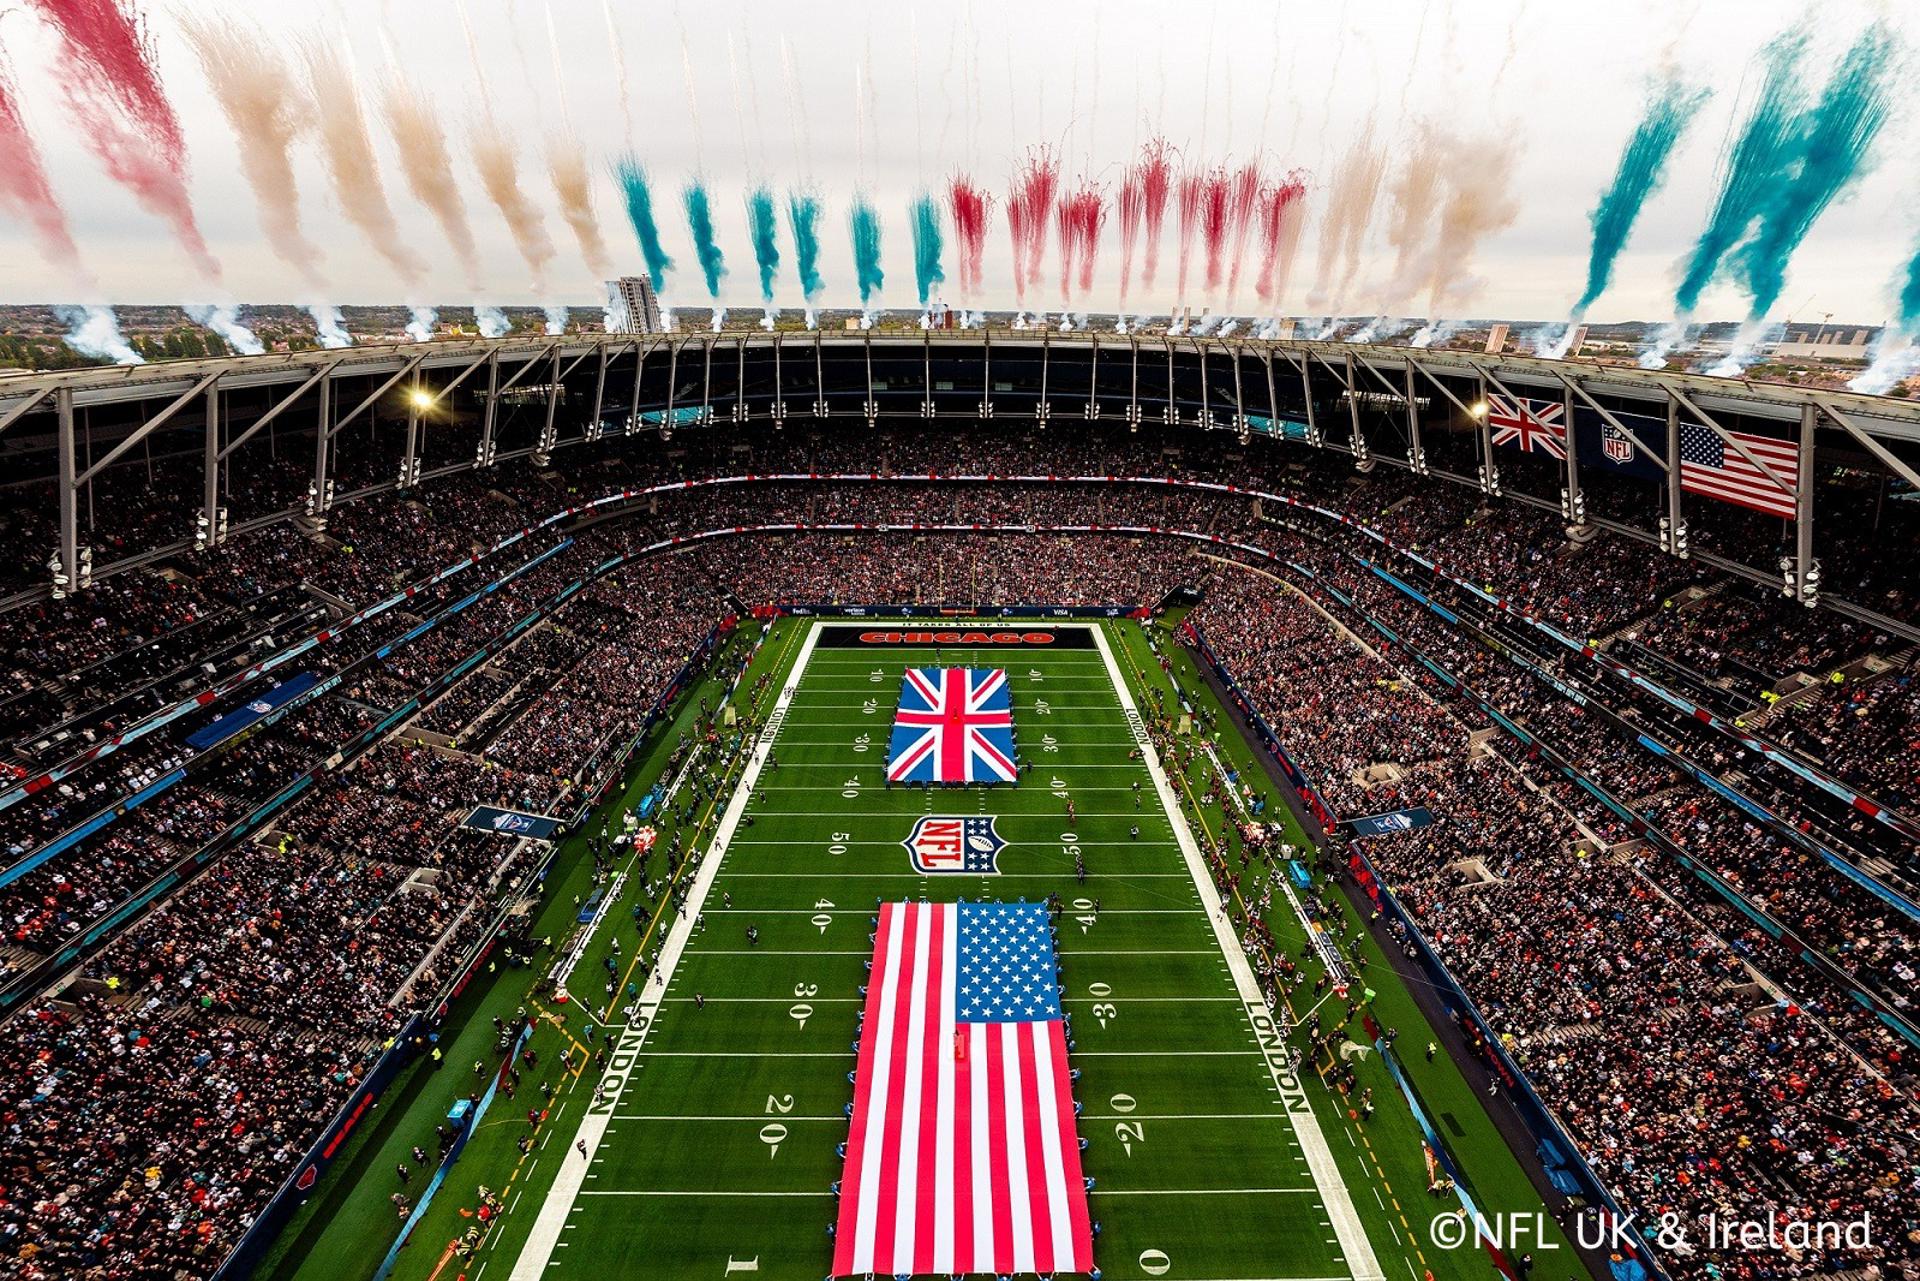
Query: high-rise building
[[632, 306]]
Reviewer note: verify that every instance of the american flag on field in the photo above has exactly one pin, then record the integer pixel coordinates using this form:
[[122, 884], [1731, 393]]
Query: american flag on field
[[1710, 466], [963, 1156], [954, 725], [1528, 424]]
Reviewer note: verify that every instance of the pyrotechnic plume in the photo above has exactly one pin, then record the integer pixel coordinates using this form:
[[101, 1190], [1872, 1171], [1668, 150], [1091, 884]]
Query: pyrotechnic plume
[[970, 207], [348, 152], [1896, 357], [633, 183], [491, 321], [1243, 201], [1155, 173], [863, 223], [1480, 201], [1081, 214], [1131, 205], [803, 218], [924, 220], [1215, 197], [1190, 193], [427, 162], [567, 165], [1283, 215], [1832, 142], [1029, 207], [500, 177], [556, 319], [255, 90], [95, 331], [1351, 194], [23, 179], [420, 323], [115, 93], [762, 223], [713, 264], [224, 319], [329, 326], [1414, 194], [1643, 167], [617, 44]]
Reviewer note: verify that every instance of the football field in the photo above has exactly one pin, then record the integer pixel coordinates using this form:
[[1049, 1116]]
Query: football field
[[710, 1147]]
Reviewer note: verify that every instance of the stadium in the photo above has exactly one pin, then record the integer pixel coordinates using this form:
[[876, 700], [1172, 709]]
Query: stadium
[[1245, 786]]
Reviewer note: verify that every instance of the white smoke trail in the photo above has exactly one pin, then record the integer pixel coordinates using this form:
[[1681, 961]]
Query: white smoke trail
[[95, 331], [768, 320], [420, 328], [608, 321], [330, 325], [719, 320], [491, 321], [1228, 328], [615, 43], [1744, 350], [1434, 331], [1120, 324], [1553, 340], [556, 320], [1896, 358], [224, 320], [1654, 352]]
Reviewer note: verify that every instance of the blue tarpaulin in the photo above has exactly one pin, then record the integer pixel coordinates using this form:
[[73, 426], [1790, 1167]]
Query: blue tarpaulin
[[225, 727]]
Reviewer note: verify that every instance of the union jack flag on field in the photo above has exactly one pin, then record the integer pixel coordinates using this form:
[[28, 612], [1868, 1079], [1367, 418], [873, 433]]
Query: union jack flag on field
[[1528, 424], [954, 725], [963, 1156]]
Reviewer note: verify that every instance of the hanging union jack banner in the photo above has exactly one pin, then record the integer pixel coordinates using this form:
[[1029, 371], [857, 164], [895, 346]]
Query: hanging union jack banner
[[954, 725], [1529, 425], [963, 1156]]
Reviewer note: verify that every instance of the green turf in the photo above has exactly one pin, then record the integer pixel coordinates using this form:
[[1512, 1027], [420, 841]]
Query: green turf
[[1194, 1155]]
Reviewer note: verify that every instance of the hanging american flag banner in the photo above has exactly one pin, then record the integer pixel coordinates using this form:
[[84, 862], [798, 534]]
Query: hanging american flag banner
[[1529, 425], [954, 725], [1710, 466], [963, 1156]]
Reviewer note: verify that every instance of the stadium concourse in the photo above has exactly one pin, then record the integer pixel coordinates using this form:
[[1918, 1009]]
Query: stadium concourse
[[1665, 898]]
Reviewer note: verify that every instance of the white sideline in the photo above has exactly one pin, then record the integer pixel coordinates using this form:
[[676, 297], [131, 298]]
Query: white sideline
[[1352, 1234], [558, 1207]]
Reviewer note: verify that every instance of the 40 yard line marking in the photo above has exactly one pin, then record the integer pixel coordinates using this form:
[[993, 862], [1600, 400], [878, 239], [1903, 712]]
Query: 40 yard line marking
[[568, 1184]]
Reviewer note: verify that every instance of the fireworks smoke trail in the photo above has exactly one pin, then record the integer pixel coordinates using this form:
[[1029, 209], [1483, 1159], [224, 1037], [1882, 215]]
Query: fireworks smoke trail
[[970, 207], [499, 168], [1029, 207], [491, 321], [1833, 142], [348, 151], [1190, 195], [1243, 202], [762, 222], [224, 320], [1156, 182], [797, 109], [1415, 193], [23, 180], [1131, 206], [713, 264], [1351, 195], [617, 44], [803, 217], [863, 222], [421, 322], [1082, 214], [1216, 196], [329, 326], [427, 162], [639, 196], [1642, 169], [255, 92], [1283, 215], [95, 331], [115, 94], [924, 217], [1480, 201], [1895, 356], [567, 165]]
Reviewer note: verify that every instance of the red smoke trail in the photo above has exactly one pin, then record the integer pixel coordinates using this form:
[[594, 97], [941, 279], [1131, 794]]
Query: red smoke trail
[[1282, 216], [1191, 195], [1155, 174], [115, 91], [1080, 216], [23, 181], [1243, 201], [970, 207], [1215, 195], [1028, 209], [1132, 204]]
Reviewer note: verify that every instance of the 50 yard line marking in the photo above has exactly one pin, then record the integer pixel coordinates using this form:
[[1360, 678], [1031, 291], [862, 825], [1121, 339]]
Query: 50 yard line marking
[[568, 1183]]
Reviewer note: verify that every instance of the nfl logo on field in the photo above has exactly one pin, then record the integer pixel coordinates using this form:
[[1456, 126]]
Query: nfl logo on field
[[947, 843]]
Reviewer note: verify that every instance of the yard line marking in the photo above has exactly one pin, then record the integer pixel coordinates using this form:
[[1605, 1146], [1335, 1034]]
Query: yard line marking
[[569, 1183], [1351, 1233]]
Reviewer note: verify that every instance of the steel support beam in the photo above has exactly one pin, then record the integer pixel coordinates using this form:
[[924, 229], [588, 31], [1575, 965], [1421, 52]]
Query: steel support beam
[[1675, 511], [1573, 385], [484, 456], [317, 495], [210, 470], [280, 406], [147, 428], [405, 371], [1803, 510], [69, 549], [1576, 505], [24, 408], [1872, 446], [1416, 450]]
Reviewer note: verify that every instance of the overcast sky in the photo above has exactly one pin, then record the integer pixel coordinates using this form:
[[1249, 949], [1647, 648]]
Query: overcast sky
[[969, 85]]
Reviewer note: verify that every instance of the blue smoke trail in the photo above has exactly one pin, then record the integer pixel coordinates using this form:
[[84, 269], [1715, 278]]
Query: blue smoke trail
[[762, 220], [1831, 140], [633, 182], [1643, 167], [803, 215], [864, 222], [1759, 159], [926, 245], [713, 264]]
